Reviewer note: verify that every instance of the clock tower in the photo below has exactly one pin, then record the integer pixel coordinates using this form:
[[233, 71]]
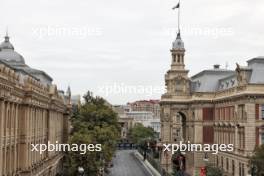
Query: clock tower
[[176, 79], [174, 110]]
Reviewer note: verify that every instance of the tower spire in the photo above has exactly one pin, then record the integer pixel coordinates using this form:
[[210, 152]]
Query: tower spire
[[6, 31], [178, 49], [6, 36]]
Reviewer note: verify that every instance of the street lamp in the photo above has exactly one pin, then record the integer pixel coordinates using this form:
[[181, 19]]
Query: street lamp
[[103, 163], [80, 170], [253, 170]]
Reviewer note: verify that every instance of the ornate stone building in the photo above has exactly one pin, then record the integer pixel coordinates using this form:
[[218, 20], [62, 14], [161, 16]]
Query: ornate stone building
[[32, 111], [215, 106]]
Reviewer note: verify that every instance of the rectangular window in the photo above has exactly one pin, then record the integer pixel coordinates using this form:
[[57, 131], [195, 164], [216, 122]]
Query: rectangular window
[[262, 112], [208, 114], [240, 169], [241, 112], [257, 111], [233, 167], [208, 134], [262, 138], [217, 114], [243, 170]]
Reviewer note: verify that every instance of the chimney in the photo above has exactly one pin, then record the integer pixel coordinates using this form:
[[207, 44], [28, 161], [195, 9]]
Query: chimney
[[216, 66]]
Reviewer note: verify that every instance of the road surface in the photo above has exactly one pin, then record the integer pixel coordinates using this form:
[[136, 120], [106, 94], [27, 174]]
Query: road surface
[[126, 164]]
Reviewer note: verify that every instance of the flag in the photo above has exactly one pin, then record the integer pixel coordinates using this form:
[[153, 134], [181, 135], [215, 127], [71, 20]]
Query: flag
[[176, 7]]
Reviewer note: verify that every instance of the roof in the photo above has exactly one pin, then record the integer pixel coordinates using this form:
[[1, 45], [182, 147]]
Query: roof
[[13, 59], [178, 43], [17, 69], [211, 71], [257, 67], [220, 79], [6, 44], [146, 101], [208, 80], [256, 59], [8, 53]]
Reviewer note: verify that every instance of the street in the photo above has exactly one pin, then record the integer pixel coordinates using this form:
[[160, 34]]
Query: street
[[126, 164]]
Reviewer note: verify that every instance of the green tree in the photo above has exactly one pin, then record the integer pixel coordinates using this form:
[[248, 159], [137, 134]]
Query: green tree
[[213, 171], [257, 161], [93, 123], [139, 134]]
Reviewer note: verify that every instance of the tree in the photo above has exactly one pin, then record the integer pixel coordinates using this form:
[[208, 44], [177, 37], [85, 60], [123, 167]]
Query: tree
[[213, 171], [93, 123], [257, 161], [139, 134]]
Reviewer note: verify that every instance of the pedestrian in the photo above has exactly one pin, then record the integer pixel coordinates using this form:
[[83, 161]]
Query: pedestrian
[[145, 155]]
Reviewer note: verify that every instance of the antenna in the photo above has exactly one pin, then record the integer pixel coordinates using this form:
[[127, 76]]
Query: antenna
[[227, 65]]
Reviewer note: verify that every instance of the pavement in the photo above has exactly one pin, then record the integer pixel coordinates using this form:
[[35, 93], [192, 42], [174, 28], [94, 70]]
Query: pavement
[[126, 164]]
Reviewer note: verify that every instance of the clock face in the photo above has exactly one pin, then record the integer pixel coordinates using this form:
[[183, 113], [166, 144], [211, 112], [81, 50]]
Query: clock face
[[178, 86]]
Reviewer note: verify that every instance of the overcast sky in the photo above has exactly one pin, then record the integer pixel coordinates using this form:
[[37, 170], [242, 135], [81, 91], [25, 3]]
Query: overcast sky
[[99, 44]]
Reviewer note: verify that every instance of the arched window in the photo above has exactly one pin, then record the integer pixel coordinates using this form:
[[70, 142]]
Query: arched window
[[179, 58]]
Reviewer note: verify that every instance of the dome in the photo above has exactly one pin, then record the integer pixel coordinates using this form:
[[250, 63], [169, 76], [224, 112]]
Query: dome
[[178, 43], [8, 53], [6, 44]]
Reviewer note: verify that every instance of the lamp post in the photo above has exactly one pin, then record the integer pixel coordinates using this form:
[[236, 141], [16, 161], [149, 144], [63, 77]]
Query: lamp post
[[103, 163], [253, 170], [146, 144], [80, 171]]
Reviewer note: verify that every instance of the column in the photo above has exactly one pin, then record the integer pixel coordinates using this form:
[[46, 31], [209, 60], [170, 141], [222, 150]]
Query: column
[[12, 134], [236, 139], [8, 137], [29, 137], [16, 138], [250, 127], [2, 106]]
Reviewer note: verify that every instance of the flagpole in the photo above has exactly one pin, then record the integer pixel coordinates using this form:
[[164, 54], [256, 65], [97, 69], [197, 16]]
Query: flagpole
[[179, 16]]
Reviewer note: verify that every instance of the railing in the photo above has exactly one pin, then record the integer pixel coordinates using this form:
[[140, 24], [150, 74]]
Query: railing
[[154, 162], [126, 146]]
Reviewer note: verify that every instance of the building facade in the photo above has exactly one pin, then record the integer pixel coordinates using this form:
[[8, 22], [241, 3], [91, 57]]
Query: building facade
[[143, 117], [138, 112], [215, 106], [126, 123], [32, 111], [147, 105]]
